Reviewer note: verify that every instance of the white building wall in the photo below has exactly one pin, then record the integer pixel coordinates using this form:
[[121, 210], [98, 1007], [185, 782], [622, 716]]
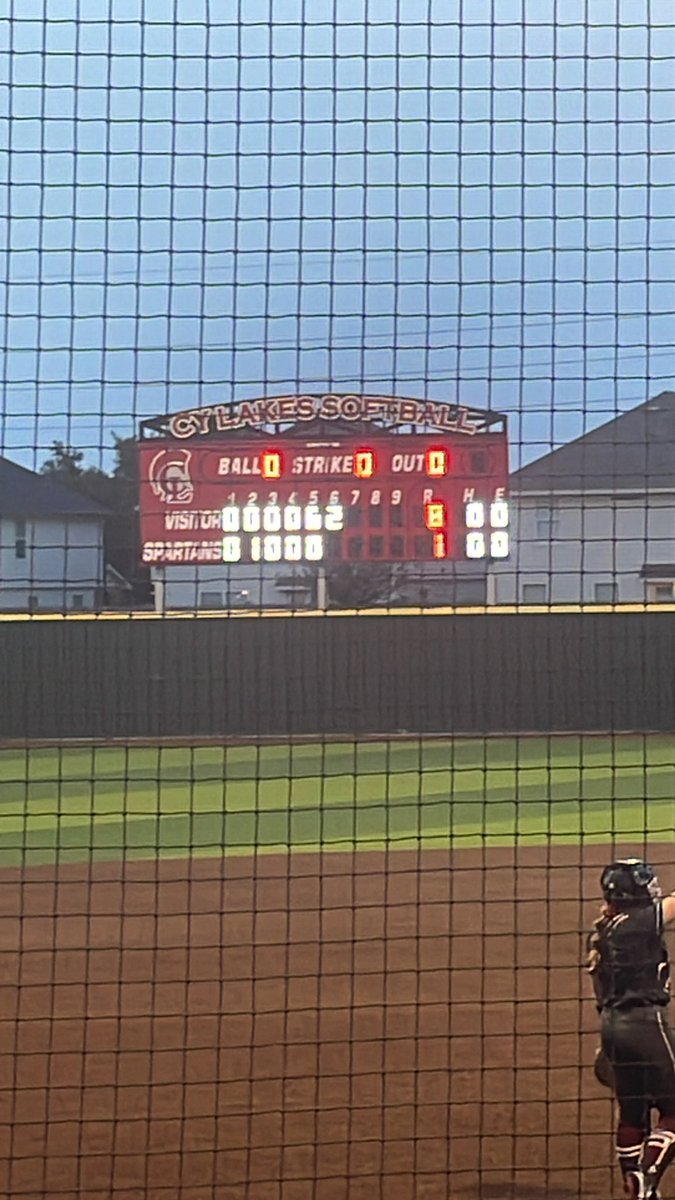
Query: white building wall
[[62, 567], [219, 586], [570, 546]]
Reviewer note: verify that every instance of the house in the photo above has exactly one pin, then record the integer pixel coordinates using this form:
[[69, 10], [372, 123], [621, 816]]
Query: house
[[51, 544], [594, 521]]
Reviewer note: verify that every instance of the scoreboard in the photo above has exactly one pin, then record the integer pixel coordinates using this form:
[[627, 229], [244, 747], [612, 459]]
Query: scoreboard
[[386, 498]]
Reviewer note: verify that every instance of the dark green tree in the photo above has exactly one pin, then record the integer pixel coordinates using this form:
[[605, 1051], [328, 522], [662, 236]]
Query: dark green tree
[[65, 464], [362, 585], [357, 585]]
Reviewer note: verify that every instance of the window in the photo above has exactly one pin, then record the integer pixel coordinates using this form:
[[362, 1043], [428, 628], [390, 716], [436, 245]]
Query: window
[[211, 600], [20, 539], [78, 601], [662, 593], [534, 593], [606, 593], [33, 603], [547, 521]]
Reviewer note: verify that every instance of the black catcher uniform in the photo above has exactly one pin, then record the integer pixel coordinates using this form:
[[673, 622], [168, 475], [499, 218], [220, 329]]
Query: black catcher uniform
[[628, 963]]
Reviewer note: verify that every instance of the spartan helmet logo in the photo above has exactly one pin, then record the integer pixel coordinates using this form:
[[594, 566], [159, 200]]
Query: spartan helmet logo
[[169, 476]]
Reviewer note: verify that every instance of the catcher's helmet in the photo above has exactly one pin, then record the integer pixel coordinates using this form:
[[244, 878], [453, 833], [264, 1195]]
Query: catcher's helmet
[[629, 880]]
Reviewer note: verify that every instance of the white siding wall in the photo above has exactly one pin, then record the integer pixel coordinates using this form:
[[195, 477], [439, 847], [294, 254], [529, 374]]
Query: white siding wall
[[221, 586], [63, 559], [593, 540]]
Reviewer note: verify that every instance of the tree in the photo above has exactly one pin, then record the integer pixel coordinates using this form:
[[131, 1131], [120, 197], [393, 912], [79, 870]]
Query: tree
[[363, 585], [124, 539], [117, 491], [65, 464], [358, 585]]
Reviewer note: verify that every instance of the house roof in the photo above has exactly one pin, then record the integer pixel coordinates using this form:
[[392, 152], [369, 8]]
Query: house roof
[[658, 571], [24, 493], [634, 451]]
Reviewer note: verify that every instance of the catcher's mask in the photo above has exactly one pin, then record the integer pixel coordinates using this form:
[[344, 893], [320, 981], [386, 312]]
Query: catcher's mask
[[630, 881]]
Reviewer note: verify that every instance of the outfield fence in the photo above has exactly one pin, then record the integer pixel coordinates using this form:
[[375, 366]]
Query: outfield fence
[[343, 676]]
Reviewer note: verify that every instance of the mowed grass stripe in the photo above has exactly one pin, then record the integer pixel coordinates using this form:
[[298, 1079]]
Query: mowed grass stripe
[[396, 826], [58, 812], [284, 761], [67, 801]]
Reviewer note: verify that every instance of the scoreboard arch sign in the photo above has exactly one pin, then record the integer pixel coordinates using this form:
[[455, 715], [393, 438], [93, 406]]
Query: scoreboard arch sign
[[324, 479]]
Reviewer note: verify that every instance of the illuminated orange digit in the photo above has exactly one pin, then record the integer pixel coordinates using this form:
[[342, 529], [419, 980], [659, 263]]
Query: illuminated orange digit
[[437, 462], [271, 465], [440, 545], [435, 514], [364, 464]]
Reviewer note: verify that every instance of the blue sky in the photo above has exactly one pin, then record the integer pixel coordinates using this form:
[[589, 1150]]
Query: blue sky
[[203, 200]]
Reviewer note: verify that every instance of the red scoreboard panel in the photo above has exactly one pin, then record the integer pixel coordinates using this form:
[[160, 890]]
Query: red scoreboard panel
[[388, 498]]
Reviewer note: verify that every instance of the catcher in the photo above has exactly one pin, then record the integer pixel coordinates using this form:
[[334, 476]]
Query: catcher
[[629, 966]]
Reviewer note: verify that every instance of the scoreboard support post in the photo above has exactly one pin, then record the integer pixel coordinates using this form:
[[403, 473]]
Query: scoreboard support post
[[491, 589], [321, 590], [158, 582]]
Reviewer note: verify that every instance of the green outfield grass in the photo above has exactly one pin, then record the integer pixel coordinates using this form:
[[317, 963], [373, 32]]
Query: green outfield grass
[[75, 804]]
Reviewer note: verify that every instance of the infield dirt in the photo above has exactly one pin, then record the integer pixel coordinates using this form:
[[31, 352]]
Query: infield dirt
[[400, 1026]]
